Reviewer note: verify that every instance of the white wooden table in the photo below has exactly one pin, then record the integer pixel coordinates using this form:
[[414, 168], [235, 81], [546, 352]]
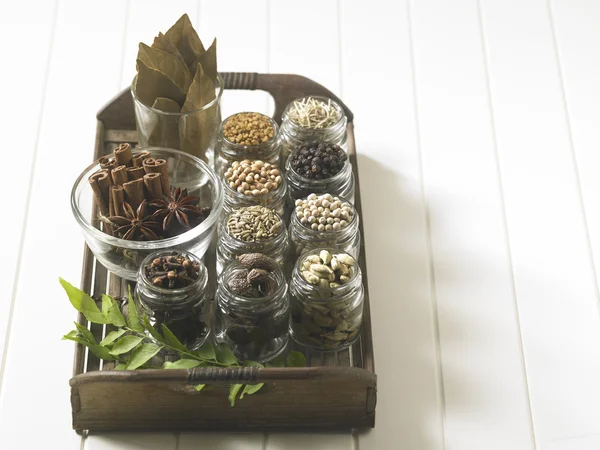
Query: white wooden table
[[477, 123]]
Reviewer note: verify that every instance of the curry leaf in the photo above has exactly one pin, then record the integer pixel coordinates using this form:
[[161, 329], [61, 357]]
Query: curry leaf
[[233, 392], [225, 355], [83, 303], [126, 344], [171, 339], [295, 359], [133, 319], [112, 336], [142, 355], [182, 364], [111, 310], [155, 334]]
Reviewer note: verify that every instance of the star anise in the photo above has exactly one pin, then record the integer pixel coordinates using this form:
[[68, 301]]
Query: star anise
[[137, 225], [181, 206]]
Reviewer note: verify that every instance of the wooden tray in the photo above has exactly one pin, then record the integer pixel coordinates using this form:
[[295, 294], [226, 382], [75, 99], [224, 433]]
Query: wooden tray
[[336, 390]]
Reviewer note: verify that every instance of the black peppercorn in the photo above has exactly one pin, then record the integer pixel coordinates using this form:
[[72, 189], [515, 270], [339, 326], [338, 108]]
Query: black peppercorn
[[317, 160]]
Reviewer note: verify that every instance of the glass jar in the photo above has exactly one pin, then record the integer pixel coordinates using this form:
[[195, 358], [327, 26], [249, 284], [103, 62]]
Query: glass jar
[[185, 311], [303, 238], [226, 151], [323, 318], [339, 185], [275, 200], [291, 134], [192, 131], [254, 328], [228, 247]]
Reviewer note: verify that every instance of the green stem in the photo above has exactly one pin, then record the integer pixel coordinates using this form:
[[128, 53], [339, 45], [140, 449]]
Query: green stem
[[186, 353]]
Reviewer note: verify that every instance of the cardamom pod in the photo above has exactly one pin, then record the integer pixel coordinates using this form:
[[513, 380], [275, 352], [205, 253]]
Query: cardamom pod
[[345, 259], [310, 277], [325, 256], [320, 270]]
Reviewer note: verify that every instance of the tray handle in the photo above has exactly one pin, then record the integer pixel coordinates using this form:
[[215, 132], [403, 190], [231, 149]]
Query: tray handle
[[209, 375], [119, 114], [283, 88]]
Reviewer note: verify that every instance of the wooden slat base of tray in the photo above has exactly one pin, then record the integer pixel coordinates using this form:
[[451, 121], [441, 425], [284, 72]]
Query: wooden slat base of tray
[[338, 390]]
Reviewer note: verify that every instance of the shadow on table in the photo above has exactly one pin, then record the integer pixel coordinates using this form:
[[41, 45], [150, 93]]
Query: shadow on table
[[409, 410]]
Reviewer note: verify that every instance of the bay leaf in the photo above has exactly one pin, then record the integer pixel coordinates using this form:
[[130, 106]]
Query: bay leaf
[[151, 84], [161, 42], [183, 36], [197, 128], [208, 60], [166, 105], [167, 64]]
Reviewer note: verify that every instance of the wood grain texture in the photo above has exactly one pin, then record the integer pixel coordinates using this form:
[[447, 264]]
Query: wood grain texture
[[485, 385], [314, 398], [23, 97], [555, 282], [410, 408]]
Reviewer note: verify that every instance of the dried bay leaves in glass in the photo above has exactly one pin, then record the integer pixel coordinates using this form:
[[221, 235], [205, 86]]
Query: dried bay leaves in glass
[[151, 84], [161, 42], [197, 127], [183, 36], [208, 60], [166, 105], [166, 130], [167, 64]]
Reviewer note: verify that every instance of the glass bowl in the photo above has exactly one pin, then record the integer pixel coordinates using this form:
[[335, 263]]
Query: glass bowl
[[123, 257]]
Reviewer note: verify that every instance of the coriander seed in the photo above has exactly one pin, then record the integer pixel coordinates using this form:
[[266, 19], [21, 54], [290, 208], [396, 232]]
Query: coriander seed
[[248, 129]]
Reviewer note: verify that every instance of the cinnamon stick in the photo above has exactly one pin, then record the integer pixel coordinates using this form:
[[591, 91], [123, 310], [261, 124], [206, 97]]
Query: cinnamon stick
[[134, 193], [153, 186], [100, 182], [139, 158], [123, 155], [133, 173], [118, 200], [119, 175], [109, 164], [152, 165]]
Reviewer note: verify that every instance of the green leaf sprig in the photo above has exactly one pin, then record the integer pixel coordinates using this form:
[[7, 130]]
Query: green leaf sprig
[[134, 342]]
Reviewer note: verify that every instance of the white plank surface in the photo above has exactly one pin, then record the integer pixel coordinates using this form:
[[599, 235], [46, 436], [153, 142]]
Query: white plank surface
[[555, 284], [485, 388], [377, 75], [477, 118], [23, 98], [34, 403]]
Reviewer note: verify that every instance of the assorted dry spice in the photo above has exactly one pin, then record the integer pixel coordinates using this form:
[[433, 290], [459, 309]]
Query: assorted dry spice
[[248, 129], [174, 271], [255, 325], [324, 212], [135, 199], [253, 224], [325, 318], [317, 160], [314, 113], [253, 177]]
